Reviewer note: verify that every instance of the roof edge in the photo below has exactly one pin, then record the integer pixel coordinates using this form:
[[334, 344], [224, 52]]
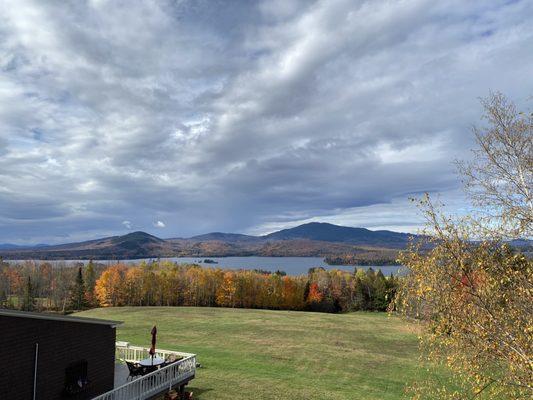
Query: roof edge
[[57, 317]]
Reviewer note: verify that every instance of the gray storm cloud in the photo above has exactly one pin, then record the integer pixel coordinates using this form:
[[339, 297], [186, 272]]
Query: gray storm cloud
[[242, 116]]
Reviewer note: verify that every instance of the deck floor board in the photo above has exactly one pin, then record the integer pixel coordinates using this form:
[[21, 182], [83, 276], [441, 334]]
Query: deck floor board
[[121, 375]]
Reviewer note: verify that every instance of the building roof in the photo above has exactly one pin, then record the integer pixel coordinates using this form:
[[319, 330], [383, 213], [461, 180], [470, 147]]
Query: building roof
[[57, 317]]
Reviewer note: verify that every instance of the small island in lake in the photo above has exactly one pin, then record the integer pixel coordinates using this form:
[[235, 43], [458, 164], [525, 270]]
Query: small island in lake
[[378, 259], [209, 261]]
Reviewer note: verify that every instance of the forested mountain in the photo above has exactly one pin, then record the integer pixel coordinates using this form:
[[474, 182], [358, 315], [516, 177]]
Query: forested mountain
[[225, 237], [312, 239], [334, 233]]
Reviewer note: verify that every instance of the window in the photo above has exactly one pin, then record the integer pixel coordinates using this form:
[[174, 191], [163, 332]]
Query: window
[[76, 377]]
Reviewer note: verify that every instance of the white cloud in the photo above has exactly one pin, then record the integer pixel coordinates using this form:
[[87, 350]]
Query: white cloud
[[127, 224], [159, 224], [400, 215], [237, 116]]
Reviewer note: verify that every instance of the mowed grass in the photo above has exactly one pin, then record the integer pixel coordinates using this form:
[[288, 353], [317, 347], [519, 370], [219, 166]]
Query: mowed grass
[[262, 354]]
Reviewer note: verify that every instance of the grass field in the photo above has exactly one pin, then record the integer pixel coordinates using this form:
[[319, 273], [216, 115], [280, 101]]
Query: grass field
[[261, 354]]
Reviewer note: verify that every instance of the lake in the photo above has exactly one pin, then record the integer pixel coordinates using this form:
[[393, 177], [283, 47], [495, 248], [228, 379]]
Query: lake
[[291, 265]]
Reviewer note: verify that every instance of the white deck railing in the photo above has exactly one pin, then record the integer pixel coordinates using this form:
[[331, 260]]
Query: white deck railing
[[126, 352], [155, 382]]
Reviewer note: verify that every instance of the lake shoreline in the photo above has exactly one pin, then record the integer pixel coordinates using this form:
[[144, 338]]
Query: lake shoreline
[[289, 265]]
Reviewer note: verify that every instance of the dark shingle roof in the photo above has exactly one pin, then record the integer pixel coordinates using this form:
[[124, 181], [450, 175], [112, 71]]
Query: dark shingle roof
[[57, 317]]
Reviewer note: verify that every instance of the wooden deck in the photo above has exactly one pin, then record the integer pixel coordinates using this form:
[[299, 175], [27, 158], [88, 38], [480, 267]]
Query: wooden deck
[[151, 385], [121, 375]]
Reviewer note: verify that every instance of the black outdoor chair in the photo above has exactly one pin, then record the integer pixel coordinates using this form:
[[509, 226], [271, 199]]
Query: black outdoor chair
[[149, 368], [135, 369]]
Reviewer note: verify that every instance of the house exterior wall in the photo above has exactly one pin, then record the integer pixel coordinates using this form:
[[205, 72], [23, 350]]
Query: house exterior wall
[[60, 343]]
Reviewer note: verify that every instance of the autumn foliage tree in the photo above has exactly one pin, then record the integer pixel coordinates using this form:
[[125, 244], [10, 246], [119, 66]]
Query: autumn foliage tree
[[472, 291], [226, 291], [109, 287]]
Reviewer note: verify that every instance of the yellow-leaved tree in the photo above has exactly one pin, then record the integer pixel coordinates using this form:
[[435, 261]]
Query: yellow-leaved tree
[[471, 289], [110, 287]]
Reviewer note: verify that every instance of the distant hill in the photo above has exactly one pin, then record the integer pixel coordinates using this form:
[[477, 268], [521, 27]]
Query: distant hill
[[8, 246], [131, 245], [313, 239], [225, 237], [334, 233], [135, 240], [11, 246], [522, 244]]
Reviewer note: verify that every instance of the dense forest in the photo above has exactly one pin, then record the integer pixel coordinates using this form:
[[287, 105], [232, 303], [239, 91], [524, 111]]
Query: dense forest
[[39, 286], [370, 257]]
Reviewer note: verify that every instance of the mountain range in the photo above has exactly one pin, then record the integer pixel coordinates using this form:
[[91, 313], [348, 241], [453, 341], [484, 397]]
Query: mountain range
[[312, 239]]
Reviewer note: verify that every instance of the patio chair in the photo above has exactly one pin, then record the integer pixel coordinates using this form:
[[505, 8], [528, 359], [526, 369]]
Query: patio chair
[[135, 369], [149, 368]]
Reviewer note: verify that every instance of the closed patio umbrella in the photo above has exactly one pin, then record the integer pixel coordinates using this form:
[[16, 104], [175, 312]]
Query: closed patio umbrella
[[152, 348]]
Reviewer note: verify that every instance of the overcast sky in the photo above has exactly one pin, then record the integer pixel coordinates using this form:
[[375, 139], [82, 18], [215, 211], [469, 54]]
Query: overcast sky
[[185, 117]]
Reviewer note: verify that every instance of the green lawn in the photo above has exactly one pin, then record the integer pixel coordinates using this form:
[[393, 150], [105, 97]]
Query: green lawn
[[261, 354]]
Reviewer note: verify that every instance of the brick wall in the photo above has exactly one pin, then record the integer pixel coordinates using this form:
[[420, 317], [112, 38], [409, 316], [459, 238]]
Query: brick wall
[[60, 344]]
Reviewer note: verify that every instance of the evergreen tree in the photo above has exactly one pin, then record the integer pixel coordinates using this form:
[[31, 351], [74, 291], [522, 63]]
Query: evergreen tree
[[366, 288], [78, 300], [359, 296], [380, 301], [306, 290], [28, 300], [90, 282]]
